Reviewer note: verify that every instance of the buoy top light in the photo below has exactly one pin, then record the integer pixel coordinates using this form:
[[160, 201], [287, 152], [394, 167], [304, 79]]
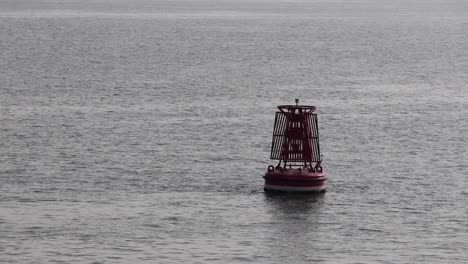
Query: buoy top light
[[297, 109]]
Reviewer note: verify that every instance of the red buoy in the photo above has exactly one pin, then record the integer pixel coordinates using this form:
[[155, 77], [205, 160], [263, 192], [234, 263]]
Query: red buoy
[[296, 145]]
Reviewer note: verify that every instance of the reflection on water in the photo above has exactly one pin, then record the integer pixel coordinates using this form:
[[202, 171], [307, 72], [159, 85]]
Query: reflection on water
[[295, 217], [291, 203]]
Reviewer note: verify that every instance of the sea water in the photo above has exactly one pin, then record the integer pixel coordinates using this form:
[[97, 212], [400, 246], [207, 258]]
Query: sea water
[[139, 131]]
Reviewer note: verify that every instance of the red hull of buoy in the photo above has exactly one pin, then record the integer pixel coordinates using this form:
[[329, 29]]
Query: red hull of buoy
[[295, 180]]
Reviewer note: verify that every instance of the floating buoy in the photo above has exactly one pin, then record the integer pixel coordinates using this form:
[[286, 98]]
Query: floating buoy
[[295, 145]]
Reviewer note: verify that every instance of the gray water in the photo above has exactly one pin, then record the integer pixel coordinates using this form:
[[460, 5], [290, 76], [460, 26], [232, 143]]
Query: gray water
[[138, 132]]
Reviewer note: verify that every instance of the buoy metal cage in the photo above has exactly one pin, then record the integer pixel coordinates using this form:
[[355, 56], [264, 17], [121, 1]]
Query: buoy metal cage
[[295, 141]]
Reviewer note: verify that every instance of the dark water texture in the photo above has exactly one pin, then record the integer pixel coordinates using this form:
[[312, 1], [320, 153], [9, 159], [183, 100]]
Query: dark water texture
[[138, 132]]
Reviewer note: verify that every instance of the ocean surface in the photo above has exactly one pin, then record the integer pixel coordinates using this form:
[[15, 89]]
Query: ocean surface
[[139, 131]]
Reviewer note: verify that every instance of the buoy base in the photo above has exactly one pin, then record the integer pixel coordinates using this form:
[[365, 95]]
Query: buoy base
[[273, 188], [295, 180]]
